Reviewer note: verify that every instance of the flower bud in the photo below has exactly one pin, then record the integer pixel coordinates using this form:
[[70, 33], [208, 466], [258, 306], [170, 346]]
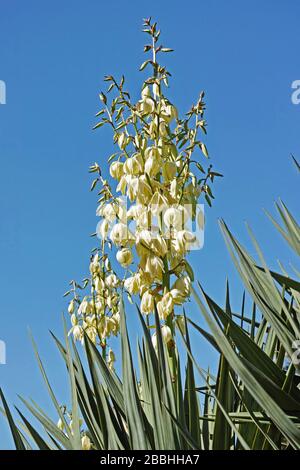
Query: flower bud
[[122, 141], [131, 284], [116, 170], [71, 307], [166, 336], [165, 306], [119, 234], [111, 280], [169, 171], [147, 303], [124, 257], [146, 92], [156, 90], [133, 166], [183, 284], [86, 443], [77, 332], [99, 284], [103, 228], [173, 217]]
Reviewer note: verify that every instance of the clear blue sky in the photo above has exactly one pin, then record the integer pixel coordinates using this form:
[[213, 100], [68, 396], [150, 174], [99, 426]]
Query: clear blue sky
[[53, 56]]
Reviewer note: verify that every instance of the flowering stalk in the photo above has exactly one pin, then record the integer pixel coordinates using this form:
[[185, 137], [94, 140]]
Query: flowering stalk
[[156, 170]]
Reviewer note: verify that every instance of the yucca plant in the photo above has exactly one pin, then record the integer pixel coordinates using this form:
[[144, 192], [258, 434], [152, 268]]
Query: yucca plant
[[167, 401], [252, 403]]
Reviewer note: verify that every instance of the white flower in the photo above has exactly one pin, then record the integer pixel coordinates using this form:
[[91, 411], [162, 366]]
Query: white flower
[[175, 217], [147, 303], [116, 170], [77, 332], [119, 234], [84, 307], [86, 443], [165, 306], [131, 284], [122, 141], [71, 306], [169, 170], [183, 284], [103, 229], [184, 240], [133, 165], [124, 257], [111, 280], [166, 336], [99, 284], [146, 92]]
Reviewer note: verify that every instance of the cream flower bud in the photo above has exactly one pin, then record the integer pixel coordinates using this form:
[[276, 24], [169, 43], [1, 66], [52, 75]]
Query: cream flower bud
[[147, 106], [131, 284], [174, 188], [100, 306], [166, 336], [116, 170], [184, 241], [111, 356], [103, 229], [147, 303], [119, 234], [133, 166], [122, 185], [156, 90], [153, 165], [71, 307], [174, 217], [183, 284], [178, 296], [169, 171], [109, 212], [146, 92], [132, 183], [99, 284], [159, 245], [122, 141], [158, 203], [111, 280], [144, 191], [74, 320], [163, 129], [77, 332], [153, 265], [84, 307], [153, 130], [94, 265], [111, 359], [86, 443], [165, 306], [124, 257], [180, 322], [169, 112]]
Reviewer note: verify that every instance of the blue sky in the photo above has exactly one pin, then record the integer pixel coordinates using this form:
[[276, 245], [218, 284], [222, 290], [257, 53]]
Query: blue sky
[[53, 56]]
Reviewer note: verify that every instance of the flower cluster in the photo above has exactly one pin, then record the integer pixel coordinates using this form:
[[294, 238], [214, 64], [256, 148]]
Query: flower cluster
[[156, 171]]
